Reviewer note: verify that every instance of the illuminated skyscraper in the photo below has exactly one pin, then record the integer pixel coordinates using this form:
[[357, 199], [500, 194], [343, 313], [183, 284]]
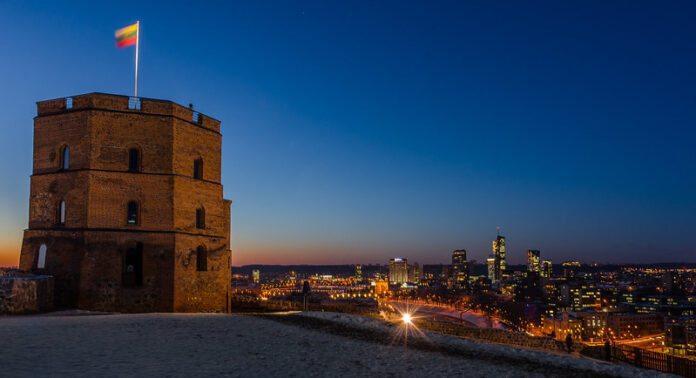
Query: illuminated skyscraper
[[398, 271], [533, 261], [358, 273], [546, 268], [460, 269], [414, 273], [499, 254], [491, 268]]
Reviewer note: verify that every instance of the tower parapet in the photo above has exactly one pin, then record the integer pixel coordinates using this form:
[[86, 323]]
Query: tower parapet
[[141, 105]]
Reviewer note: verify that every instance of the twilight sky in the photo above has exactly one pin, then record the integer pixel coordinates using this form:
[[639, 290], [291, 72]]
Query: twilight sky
[[358, 131]]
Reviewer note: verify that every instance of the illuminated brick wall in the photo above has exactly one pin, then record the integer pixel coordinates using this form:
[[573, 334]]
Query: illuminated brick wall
[[87, 254]]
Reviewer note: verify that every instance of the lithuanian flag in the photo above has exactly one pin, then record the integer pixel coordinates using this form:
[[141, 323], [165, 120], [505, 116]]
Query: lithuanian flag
[[127, 36]]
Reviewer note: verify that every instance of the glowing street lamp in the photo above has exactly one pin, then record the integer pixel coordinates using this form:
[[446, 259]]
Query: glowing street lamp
[[406, 318]]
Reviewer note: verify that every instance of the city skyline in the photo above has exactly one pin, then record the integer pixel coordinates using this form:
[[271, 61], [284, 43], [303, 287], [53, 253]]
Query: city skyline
[[408, 136]]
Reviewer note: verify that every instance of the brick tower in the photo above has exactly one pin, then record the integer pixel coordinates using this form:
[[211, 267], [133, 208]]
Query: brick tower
[[126, 207]]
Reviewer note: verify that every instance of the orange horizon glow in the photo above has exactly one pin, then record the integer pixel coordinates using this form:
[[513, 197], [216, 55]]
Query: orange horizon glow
[[279, 253], [276, 253], [9, 254]]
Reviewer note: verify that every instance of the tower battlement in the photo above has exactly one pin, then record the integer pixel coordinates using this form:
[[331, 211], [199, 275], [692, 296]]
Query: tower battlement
[[126, 104]]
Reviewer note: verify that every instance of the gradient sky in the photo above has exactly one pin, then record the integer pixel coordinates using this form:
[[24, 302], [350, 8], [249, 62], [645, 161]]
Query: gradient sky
[[358, 131]]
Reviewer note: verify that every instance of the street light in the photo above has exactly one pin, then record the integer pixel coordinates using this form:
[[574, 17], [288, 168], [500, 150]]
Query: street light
[[406, 318]]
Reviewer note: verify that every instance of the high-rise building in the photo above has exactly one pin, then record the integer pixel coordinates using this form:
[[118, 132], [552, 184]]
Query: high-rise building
[[126, 207], [358, 273], [533, 261], [446, 275], [460, 270], [421, 275], [499, 254], [256, 276], [570, 268], [491, 268], [668, 280], [414, 273], [398, 271], [546, 269]]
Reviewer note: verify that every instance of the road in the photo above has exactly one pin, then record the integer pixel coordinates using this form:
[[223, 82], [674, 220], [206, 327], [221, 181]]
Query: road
[[471, 318]]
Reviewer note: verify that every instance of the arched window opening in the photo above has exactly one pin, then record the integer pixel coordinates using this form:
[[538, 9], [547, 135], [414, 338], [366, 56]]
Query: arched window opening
[[198, 169], [65, 158], [61, 213], [132, 212], [201, 259], [134, 160], [41, 260], [200, 218], [133, 266]]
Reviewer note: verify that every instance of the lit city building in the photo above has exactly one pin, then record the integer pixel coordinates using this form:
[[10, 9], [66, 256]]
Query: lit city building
[[358, 273], [680, 339], [381, 287], [398, 271], [546, 268], [588, 325], [533, 261], [590, 297], [499, 254], [415, 273], [491, 268], [256, 276], [668, 280], [460, 268], [570, 268]]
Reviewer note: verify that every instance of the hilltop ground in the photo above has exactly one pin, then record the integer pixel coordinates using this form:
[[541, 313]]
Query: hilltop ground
[[311, 344]]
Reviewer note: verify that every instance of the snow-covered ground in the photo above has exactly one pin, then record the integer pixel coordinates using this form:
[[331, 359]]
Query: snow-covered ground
[[484, 350], [231, 345]]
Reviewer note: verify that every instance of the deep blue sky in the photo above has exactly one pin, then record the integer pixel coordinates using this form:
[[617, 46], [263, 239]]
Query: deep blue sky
[[358, 131]]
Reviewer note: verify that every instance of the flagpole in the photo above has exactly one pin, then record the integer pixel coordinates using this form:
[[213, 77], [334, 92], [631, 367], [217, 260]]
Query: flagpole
[[137, 43]]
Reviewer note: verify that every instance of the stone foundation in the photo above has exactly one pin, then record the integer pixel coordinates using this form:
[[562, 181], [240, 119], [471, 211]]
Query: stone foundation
[[22, 293]]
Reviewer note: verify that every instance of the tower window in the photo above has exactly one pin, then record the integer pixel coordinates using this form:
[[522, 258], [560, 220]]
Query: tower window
[[201, 259], [68, 103], [198, 169], [61, 213], [200, 218], [41, 260], [132, 212], [196, 117], [65, 158], [133, 266], [134, 160]]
